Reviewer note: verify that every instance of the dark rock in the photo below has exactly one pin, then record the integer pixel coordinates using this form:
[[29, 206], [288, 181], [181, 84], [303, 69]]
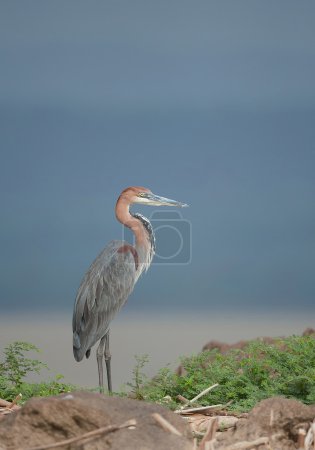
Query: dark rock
[[309, 332]]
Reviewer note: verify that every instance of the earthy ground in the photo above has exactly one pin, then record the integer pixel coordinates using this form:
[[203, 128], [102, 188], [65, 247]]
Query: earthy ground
[[44, 421], [277, 420], [116, 423]]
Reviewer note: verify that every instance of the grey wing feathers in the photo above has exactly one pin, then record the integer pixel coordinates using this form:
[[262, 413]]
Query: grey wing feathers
[[103, 291]]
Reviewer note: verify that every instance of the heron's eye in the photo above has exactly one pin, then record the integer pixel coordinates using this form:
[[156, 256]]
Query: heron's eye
[[142, 194]]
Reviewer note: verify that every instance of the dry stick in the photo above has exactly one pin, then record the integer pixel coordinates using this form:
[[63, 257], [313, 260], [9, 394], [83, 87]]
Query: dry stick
[[310, 438], [204, 392], [245, 445], [210, 433], [17, 398], [98, 431], [301, 439], [193, 410], [165, 424], [182, 399]]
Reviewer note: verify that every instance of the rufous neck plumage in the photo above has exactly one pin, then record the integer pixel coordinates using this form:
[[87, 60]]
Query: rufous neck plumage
[[123, 216]]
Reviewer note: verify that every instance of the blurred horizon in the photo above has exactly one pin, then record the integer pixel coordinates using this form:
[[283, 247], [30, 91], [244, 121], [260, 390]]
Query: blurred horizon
[[210, 104]]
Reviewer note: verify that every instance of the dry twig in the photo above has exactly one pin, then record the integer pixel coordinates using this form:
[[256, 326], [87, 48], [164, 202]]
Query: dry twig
[[210, 434], [165, 424], [17, 398], [88, 435], [8, 407], [204, 392], [193, 410], [301, 439], [182, 399], [310, 437]]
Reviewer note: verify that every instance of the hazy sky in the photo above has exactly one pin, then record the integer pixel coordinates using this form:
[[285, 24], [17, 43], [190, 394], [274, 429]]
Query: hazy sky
[[211, 103]]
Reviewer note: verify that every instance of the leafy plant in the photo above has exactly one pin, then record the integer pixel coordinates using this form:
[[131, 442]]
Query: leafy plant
[[245, 377], [16, 366], [139, 378]]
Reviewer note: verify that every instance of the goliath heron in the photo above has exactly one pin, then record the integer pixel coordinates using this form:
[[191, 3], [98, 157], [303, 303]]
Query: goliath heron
[[111, 278]]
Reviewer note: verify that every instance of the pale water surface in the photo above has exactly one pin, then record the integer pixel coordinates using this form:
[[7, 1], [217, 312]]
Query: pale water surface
[[163, 337]]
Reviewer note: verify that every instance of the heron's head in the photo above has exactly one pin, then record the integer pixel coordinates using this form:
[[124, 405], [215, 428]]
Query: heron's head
[[144, 196]]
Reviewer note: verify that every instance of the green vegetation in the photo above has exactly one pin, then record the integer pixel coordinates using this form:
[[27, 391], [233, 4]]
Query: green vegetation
[[261, 370], [16, 366], [245, 377], [138, 377]]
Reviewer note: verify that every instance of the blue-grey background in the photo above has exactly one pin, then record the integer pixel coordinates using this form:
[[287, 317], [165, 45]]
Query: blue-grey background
[[211, 103]]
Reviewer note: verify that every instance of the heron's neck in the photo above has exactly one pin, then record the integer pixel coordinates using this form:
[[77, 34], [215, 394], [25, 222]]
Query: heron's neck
[[143, 245]]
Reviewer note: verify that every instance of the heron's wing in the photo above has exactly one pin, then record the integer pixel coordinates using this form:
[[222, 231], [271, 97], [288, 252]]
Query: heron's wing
[[103, 291]]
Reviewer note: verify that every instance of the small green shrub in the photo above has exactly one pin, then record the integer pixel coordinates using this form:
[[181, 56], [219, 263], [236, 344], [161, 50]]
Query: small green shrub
[[16, 366], [245, 377], [139, 378]]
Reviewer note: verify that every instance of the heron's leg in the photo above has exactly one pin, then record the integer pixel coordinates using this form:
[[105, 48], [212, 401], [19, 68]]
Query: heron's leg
[[108, 357], [99, 357]]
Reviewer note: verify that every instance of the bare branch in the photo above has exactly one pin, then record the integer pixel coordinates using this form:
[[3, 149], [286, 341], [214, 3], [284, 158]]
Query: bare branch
[[165, 424], [17, 398], [210, 434], [193, 410], [204, 392]]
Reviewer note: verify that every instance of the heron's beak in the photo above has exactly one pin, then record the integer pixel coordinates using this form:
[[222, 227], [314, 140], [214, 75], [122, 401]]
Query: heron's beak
[[156, 200]]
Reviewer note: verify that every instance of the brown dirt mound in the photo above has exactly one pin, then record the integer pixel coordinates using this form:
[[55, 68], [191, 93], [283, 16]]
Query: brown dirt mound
[[278, 419], [49, 420]]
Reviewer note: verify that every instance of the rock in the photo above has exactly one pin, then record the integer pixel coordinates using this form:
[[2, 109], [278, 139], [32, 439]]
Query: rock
[[224, 348], [49, 420], [309, 332], [277, 418]]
